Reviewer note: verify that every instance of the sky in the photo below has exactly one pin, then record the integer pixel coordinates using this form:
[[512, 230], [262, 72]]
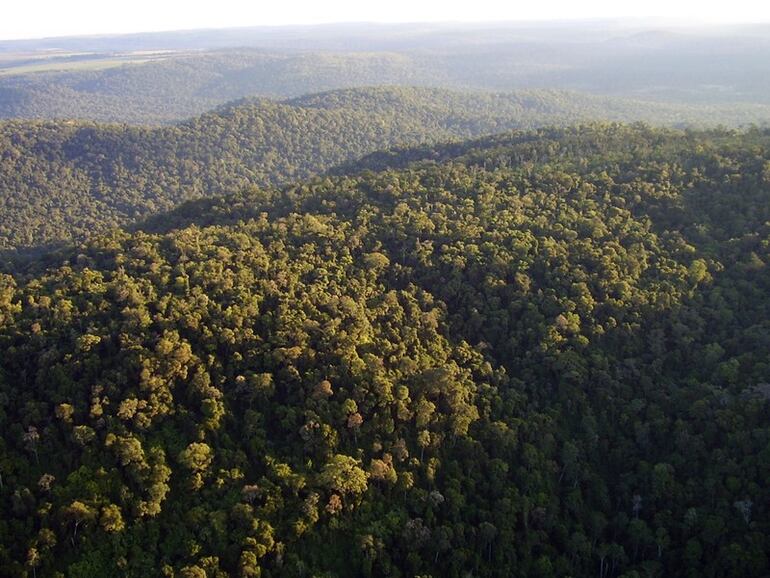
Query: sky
[[42, 18]]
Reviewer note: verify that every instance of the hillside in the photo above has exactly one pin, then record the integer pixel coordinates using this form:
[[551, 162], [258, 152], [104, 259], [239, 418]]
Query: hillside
[[538, 354], [60, 181]]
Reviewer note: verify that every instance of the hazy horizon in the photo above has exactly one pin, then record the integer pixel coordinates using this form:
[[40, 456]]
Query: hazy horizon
[[49, 19]]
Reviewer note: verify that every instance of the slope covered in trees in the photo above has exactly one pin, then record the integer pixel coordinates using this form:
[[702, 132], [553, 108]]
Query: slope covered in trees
[[60, 181], [541, 354]]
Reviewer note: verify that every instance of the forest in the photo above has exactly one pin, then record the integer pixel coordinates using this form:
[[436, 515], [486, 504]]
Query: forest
[[386, 300], [63, 180], [543, 353]]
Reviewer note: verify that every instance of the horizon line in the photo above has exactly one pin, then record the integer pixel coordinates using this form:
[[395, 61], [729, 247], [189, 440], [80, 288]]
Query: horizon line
[[639, 21]]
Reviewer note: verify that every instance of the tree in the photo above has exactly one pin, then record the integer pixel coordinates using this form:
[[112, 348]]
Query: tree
[[197, 458], [112, 519], [77, 513], [343, 475]]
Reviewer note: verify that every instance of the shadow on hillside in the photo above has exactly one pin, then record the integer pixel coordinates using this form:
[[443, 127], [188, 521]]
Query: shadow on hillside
[[34, 258], [210, 211], [395, 159]]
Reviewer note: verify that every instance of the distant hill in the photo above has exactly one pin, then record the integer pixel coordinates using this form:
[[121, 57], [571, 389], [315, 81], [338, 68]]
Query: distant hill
[[60, 181], [166, 77], [181, 86]]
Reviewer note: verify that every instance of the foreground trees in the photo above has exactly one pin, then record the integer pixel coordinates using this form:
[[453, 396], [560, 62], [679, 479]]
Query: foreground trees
[[546, 355]]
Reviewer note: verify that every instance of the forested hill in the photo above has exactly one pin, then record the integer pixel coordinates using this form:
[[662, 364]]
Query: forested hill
[[85, 177], [544, 356], [60, 181]]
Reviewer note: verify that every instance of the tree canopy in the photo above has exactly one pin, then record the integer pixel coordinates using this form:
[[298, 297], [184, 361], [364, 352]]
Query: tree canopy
[[538, 354]]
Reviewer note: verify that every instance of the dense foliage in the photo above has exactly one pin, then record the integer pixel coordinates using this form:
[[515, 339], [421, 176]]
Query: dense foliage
[[60, 181], [544, 355]]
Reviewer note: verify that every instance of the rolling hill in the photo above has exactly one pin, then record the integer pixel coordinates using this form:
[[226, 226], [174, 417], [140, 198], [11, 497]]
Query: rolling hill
[[60, 181]]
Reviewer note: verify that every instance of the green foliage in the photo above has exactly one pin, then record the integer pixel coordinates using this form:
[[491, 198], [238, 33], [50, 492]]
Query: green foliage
[[540, 354]]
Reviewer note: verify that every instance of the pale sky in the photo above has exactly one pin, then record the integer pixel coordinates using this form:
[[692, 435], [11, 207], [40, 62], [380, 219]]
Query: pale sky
[[39, 18]]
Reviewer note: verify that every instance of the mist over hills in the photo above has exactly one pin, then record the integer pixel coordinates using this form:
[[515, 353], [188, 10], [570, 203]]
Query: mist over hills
[[164, 77], [367, 36]]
